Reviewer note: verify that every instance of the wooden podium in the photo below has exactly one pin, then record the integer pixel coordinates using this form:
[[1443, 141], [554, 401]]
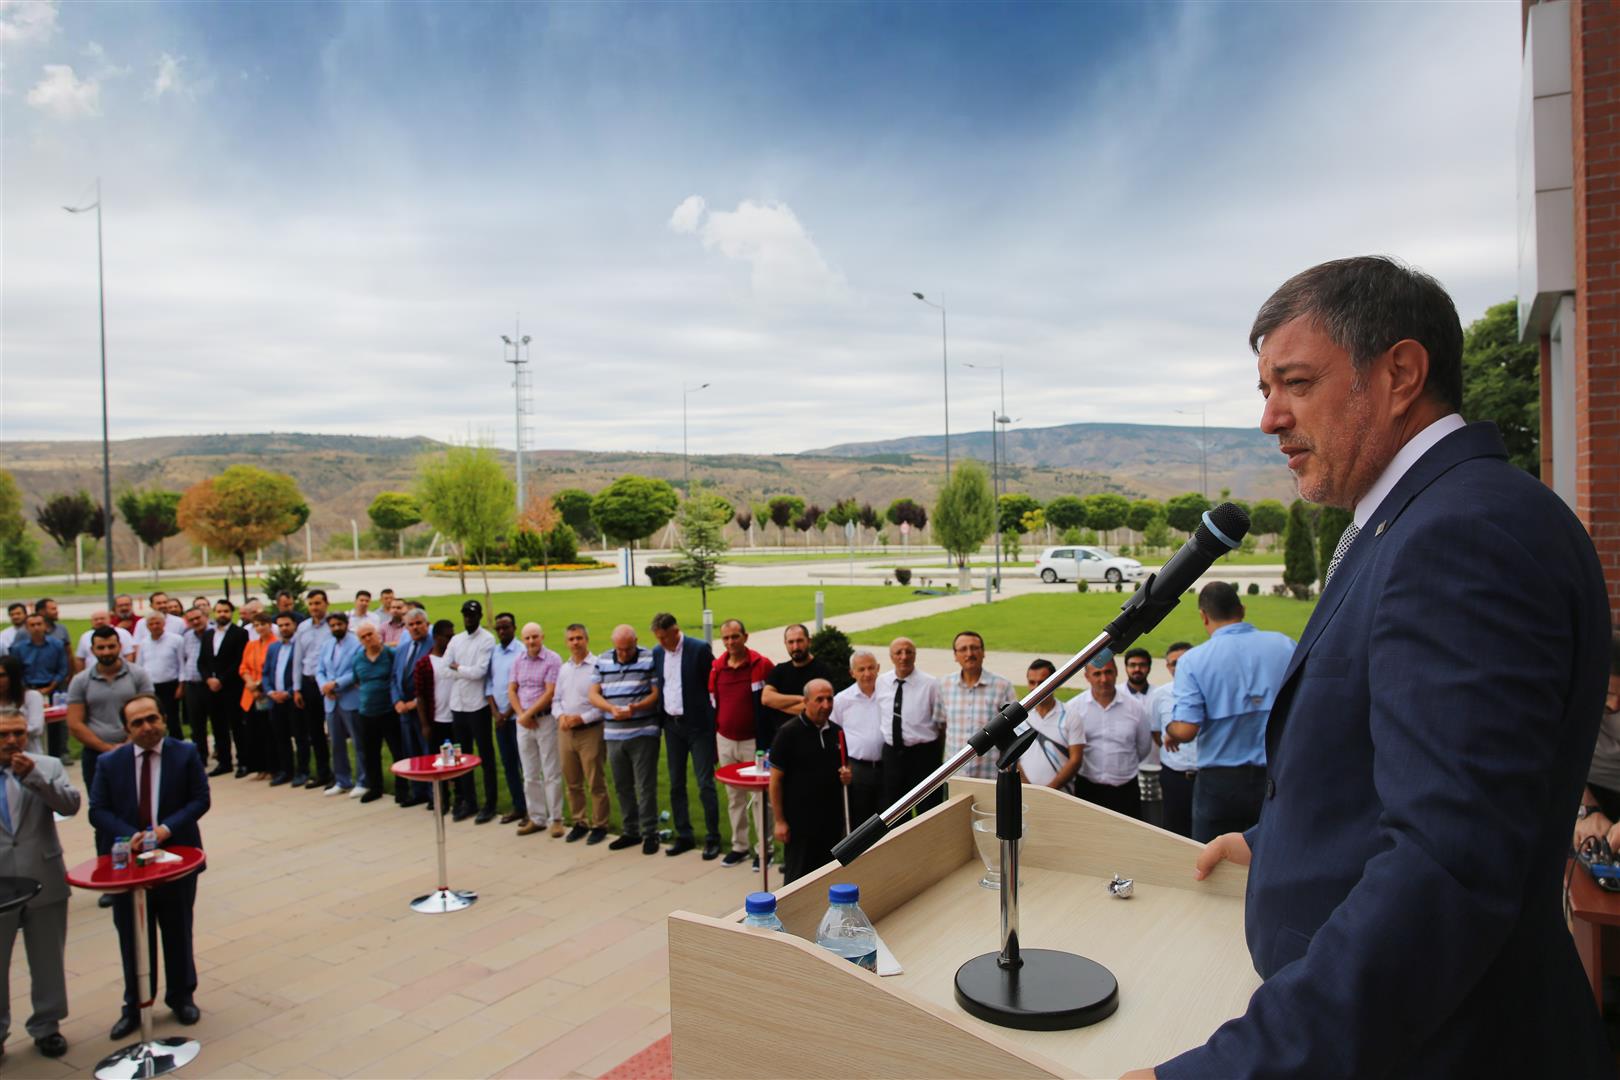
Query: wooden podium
[[747, 1003]]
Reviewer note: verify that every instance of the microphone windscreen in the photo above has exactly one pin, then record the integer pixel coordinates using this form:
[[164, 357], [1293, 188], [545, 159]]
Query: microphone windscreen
[[1223, 528]]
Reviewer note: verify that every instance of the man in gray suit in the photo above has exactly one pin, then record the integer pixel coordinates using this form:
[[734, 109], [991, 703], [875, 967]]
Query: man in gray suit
[[30, 789]]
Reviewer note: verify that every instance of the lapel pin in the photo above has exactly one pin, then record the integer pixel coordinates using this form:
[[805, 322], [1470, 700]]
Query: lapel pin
[[1382, 525]]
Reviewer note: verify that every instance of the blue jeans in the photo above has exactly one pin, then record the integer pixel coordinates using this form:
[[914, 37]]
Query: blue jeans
[[340, 728], [506, 744]]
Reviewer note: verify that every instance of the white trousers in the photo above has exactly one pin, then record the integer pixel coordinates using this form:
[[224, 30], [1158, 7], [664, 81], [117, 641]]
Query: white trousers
[[739, 801], [542, 770]]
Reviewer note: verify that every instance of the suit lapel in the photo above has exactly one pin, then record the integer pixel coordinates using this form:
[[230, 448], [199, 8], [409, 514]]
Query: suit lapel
[[1473, 441]]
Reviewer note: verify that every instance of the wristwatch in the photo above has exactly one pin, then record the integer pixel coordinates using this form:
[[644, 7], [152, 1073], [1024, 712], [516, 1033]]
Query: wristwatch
[[1586, 810]]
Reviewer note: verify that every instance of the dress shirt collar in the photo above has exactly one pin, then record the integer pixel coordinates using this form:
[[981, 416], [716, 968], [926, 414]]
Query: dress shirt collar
[[1404, 459]]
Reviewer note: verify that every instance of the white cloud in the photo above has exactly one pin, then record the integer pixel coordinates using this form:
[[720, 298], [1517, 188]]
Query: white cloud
[[169, 79], [688, 215], [784, 262], [23, 21], [64, 94]]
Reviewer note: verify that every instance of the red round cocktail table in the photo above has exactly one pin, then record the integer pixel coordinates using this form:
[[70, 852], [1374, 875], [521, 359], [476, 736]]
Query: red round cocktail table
[[149, 1057], [430, 768], [745, 775]]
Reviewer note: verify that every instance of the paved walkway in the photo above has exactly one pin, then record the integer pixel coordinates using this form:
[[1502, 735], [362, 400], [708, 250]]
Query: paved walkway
[[311, 964]]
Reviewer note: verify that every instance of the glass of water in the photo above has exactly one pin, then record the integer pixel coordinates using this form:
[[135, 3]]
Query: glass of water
[[989, 845]]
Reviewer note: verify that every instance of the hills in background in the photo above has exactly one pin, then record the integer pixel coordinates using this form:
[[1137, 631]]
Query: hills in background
[[340, 474]]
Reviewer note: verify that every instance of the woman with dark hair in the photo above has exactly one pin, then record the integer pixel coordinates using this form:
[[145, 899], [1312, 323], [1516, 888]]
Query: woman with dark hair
[[14, 692]]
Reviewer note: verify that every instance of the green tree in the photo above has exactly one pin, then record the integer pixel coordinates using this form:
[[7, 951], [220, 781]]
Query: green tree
[[13, 524], [632, 508], [240, 510], [1034, 521], [843, 512], [153, 516], [1106, 512], [575, 507], [19, 556], [391, 513], [965, 514], [1014, 505], [1299, 551], [1157, 533], [1502, 382], [66, 517], [1330, 525], [466, 495], [1143, 511], [906, 512], [1066, 512], [1268, 518], [701, 542], [1184, 512], [783, 510]]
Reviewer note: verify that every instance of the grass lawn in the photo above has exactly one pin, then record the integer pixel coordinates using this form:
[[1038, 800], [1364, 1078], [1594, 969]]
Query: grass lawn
[[1060, 624], [135, 583]]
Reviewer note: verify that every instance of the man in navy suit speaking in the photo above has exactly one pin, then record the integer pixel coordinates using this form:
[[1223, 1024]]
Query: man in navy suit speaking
[[1426, 752], [123, 803]]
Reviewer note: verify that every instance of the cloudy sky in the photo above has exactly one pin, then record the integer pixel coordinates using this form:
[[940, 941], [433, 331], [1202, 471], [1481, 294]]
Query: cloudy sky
[[321, 217]]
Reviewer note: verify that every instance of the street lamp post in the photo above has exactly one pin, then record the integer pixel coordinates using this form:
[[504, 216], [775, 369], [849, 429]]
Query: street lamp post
[[106, 453], [1203, 447], [997, 454], [945, 367], [686, 477], [520, 398]]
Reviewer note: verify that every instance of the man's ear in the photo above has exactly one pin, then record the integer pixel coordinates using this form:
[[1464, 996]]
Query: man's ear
[[1408, 374]]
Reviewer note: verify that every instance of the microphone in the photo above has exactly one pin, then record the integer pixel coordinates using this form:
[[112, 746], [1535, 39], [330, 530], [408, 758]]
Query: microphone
[[1220, 531]]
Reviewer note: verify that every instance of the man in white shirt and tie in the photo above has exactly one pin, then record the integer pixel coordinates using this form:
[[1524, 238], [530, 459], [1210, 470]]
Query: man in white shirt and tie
[[31, 789], [913, 743]]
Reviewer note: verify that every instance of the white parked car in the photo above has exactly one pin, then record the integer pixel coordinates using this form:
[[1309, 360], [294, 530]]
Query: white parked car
[[1076, 563]]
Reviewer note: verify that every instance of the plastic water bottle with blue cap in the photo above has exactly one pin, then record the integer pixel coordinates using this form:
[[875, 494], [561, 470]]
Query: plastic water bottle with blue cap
[[761, 908], [846, 930]]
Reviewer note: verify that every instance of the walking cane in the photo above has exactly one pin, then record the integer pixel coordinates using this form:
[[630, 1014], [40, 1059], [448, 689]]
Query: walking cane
[[843, 758]]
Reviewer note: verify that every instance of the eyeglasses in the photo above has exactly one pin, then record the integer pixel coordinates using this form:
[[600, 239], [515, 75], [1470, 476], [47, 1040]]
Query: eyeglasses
[[14, 734]]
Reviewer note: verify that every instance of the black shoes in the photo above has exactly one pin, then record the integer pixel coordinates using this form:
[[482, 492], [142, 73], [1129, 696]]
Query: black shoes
[[461, 813], [187, 1014], [625, 841], [300, 781], [597, 836], [220, 770], [711, 850], [241, 771], [371, 796], [649, 846], [576, 833], [680, 847], [279, 779], [105, 901], [484, 817], [52, 1046], [128, 1024], [317, 782], [733, 858], [511, 818]]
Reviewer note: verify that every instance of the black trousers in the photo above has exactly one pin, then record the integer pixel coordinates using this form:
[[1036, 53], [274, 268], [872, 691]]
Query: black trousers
[[681, 742], [196, 702], [168, 908], [474, 729], [905, 768], [865, 790], [1177, 788], [225, 714], [169, 705], [1125, 799], [279, 748], [309, 734], [1227, 799], [810, 849], [374, 732]]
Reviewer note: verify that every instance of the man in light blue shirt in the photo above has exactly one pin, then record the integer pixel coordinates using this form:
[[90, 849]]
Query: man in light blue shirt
[[1224, 692], [309, 726], [334, 672], [1179, 776], [507, 649]]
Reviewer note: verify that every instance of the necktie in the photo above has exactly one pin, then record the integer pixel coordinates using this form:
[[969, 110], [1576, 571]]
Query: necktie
[[145, 795], [899, 693], [1346, 538], [5, 800]]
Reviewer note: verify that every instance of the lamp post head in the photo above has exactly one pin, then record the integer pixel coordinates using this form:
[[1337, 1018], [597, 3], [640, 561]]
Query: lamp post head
[[525, 339], [506, 339], [919, 296]]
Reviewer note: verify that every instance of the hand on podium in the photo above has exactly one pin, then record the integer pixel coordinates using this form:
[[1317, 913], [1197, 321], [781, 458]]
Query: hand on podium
[[1229, 846]]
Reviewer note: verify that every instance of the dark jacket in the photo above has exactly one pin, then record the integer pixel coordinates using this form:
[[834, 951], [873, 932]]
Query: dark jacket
[[182, 796], [221, 654], [697, 657]]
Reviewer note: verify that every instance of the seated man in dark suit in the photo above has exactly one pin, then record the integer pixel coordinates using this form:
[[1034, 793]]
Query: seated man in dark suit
[[122, 803]]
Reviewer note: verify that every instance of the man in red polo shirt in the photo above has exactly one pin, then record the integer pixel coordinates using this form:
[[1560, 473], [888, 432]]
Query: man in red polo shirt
[[735, 684]]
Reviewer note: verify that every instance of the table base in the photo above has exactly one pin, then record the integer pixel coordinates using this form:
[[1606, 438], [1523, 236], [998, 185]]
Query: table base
[[143, 1059], [442, 900]]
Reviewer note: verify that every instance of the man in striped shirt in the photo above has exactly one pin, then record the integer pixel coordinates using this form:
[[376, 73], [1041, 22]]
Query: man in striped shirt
[[626, 694]]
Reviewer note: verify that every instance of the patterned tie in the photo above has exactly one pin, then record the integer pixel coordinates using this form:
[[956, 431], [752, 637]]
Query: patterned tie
[[1346, 538], [5, 800], [899, 694]]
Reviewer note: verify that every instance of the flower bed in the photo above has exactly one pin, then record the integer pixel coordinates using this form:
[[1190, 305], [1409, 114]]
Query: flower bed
[[514, 568]]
